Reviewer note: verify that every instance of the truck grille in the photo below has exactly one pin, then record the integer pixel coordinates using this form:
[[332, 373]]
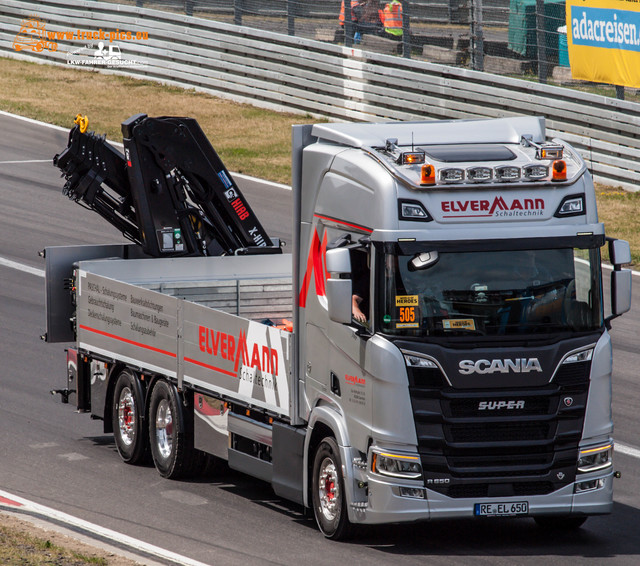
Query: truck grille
[[499, 443]]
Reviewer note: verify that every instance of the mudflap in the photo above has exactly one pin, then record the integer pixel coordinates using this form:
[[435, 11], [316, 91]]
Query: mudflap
[[77, 382]]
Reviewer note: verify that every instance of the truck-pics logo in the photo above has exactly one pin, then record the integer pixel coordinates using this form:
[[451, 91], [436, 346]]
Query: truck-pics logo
[[33, 36], [519, 365], [99, 48], [482, 208]]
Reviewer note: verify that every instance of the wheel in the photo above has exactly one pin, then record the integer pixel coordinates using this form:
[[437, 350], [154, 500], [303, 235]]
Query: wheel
[[560, 523], [127, 418], [170, 440], [328, 495]]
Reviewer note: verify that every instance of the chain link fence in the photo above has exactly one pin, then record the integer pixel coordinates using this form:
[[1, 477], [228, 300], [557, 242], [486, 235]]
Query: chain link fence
[[510, 37]]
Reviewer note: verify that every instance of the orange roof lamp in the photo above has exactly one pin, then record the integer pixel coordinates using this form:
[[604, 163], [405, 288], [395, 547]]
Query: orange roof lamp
[[559, 170], [428, 174]]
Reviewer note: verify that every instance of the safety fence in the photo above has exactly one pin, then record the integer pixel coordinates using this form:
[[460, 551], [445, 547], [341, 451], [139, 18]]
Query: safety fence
[[514, 37], [286, 72]]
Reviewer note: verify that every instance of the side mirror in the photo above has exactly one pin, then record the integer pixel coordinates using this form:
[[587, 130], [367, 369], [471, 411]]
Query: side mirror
[[339, 287], [423, 260], [620, 292], [619, 252]]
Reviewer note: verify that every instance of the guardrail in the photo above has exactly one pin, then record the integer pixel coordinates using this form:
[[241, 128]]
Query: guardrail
[[300, 75]]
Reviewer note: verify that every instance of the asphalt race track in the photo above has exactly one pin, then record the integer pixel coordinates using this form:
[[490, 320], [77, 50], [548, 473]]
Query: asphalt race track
[[58, 458]]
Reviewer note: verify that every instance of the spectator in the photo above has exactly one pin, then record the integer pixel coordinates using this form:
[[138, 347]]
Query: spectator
[[392, 20], [356, 14], [370, 19], [365, 17]]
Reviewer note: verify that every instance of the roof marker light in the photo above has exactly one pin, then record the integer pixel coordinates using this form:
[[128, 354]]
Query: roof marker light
[[551, 152], [544, 150], [412, 158]]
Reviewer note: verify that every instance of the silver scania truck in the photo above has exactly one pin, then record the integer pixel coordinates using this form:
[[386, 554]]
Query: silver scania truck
[[477, 383]]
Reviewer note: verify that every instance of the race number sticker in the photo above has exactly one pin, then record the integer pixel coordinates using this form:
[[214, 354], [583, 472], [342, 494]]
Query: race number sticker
[[407, 311], [459, 324]]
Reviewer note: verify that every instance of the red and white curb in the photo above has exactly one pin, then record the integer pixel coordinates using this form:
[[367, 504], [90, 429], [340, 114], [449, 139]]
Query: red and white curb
[[26, 508]]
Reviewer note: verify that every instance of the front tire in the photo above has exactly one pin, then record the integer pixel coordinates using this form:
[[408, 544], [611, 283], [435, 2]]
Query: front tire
[[328, 493], [127, 419], [170, 440]]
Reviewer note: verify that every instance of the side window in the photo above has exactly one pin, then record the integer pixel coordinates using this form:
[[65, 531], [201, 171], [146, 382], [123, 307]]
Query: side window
[[361, 279]]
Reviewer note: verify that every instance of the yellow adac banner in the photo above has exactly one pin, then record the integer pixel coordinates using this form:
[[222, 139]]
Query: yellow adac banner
[[603, 38]]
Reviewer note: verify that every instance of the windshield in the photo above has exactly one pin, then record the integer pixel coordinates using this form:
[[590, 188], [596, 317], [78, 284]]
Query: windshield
[[489, 293]]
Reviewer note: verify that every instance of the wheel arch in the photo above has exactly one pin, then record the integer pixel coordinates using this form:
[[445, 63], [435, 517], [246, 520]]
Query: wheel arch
[[107, 411], [324, 421]]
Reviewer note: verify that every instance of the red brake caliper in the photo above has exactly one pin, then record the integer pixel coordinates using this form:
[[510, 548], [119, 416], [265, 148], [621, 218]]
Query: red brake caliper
[[127, 415], [329, 487]]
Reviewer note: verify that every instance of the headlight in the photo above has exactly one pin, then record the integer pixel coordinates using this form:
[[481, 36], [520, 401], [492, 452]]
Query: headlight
[[397, 466], [415, 361], [583, 356], [595, 459]]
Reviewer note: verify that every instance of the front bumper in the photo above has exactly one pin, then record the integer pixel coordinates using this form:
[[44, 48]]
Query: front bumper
[[384, 504]]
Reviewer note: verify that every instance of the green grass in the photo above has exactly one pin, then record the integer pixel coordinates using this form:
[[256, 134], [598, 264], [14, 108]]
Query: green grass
[[18, 548]]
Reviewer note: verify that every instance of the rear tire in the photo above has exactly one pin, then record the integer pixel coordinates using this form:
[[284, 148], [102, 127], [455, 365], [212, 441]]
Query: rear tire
[[328, 494], [127, 419], [560, 523], [169, 436]]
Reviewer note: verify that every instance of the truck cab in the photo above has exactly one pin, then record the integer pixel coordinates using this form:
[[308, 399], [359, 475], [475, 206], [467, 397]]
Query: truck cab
[[480, 382]]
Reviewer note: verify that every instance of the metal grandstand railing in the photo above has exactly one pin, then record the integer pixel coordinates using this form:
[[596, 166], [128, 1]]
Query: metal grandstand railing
[[510, 37]]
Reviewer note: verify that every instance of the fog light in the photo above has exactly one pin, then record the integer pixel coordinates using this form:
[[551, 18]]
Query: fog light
[[590, 485], [412, 492]]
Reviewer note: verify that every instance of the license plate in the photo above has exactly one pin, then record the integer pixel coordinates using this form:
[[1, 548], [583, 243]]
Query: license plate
[[501, 509]]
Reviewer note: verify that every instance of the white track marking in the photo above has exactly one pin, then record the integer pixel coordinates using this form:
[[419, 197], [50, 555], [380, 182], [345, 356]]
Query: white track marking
[[21, 267], [9, 501], [25, 161], [627, 450]]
